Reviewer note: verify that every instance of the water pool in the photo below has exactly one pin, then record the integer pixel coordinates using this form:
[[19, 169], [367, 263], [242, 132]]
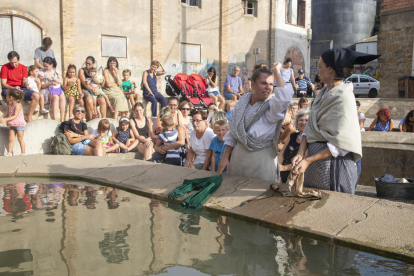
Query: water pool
[[74, 228]]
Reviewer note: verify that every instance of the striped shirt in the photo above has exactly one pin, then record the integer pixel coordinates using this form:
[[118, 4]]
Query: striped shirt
[[169, 137]]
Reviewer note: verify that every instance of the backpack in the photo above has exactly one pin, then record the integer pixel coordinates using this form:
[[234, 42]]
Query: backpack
[[60, 145]]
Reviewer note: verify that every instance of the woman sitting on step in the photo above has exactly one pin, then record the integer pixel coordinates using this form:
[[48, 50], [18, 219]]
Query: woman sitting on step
[[383, 122], [76, 131]]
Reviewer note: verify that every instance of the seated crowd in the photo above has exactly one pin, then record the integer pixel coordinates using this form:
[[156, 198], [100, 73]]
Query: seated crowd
[[183, 136]]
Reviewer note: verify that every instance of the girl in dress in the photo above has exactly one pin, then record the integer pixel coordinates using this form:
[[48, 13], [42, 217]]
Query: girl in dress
[[35, 85], [15, 119], [72, 87], [123, 137]]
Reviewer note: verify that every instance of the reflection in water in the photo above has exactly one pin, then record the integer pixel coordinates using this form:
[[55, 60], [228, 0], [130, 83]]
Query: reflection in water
[[65, 229], [114, 247]]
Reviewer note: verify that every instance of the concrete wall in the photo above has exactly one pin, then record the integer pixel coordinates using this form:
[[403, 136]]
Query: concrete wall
[[38, 135], [398, 107], [292, 37], [395, 44], [246, 33], [48, 14], [119, 18], [194, 25]]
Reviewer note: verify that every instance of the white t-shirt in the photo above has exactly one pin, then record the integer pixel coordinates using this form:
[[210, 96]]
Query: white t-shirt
[[211, 88], [361, 116], [199, 146], [33, 84]]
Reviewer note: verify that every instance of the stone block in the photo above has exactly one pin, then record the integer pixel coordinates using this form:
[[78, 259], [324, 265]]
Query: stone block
[[61, 165], [387, 225], [10, 165], [327, 216]]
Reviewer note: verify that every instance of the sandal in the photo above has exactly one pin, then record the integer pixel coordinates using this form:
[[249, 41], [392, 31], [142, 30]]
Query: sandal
[[9, 154], [111, 109]]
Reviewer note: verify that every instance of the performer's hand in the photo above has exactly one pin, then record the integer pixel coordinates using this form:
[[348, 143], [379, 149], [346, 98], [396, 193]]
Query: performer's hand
[[297, 159], [224, 164], [276, 67], [301, 167]]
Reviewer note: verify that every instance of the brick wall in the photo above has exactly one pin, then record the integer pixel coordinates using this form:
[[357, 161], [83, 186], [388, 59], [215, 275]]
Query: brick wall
[[67, 34], [395, 45], [302, 13], [156, 43], [224, 40], [156, 34], [391, 5]]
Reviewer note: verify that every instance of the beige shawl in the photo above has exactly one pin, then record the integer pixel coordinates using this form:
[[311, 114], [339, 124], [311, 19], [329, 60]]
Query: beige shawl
[[334, 119]]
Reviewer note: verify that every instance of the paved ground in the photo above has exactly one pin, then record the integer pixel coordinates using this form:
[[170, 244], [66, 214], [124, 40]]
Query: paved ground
[[365, 223]]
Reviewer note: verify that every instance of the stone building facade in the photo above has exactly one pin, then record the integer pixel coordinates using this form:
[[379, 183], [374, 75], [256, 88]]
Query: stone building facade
[[395, 44], [186, 36]]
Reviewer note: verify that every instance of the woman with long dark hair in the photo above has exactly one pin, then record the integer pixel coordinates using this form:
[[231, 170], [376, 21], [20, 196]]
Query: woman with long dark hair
[[212, 89], [409, 122], [51, 87], [112, 88], [141, 126]]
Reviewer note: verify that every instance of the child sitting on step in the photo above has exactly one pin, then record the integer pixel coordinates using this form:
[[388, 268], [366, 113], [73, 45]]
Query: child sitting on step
[[97, 81], [168, 137], [123, 138]]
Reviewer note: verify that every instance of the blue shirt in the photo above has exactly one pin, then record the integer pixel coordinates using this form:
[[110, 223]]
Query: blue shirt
[[403, 120], [234, 82], [303, 83], [218, 149], [228, 114]]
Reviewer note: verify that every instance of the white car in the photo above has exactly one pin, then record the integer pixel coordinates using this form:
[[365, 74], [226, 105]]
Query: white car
[[364, 85]]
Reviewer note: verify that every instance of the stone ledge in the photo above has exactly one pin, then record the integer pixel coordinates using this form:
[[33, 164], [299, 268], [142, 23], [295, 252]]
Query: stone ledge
[[363, 223], [381, 137]]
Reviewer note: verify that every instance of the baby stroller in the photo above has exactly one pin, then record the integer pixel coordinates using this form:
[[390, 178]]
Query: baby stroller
[[172, 89], [181, 80], [199, 87]]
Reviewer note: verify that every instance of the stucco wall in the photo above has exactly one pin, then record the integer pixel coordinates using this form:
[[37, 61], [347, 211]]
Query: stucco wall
[[94, 18], [246, 33], [186, 24], [48, 13]]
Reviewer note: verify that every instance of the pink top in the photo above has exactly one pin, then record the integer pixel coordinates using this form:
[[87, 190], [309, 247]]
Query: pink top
[[19, 120]]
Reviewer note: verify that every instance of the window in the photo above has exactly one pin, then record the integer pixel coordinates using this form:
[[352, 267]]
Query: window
[[20, 35], [296, 12], [190, 53], [249, 7], [193, 3], [114, 46], [363, 79], [353, 79]]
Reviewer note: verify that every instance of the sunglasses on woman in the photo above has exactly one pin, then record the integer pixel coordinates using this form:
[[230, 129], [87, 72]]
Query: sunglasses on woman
[[185, 109], [80, 110]]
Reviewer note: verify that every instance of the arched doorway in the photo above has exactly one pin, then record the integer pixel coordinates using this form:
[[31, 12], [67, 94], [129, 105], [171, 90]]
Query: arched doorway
[[21, 35], [298, 61]]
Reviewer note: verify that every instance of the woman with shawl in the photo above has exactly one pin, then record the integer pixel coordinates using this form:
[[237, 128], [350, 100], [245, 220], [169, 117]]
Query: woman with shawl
[[332, 137], [254, 127]]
